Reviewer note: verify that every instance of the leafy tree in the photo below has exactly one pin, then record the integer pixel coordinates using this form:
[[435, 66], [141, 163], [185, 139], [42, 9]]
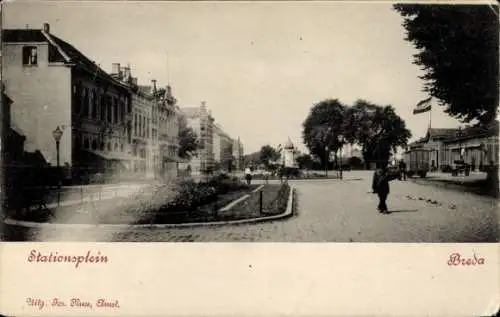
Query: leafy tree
[[160, 93], [377, 129], [305, 161], [322, 127], [458, 50], [268, 153], [188, 140]]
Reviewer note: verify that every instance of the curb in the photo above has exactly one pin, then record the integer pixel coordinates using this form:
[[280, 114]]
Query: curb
[[239, 200], [452, 187], [30, 224]]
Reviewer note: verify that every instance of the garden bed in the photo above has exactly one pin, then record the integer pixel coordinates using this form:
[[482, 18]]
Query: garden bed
[[184, 203]]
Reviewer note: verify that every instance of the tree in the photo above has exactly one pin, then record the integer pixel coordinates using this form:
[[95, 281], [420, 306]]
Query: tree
[[377, 129], [458, 50], [305, 161], [188, 140], [267, 154], [322, 127]]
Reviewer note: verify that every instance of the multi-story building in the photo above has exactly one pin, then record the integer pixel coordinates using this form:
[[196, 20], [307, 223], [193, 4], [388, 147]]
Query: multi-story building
[[223, 149], [238, 153], [155, 126], [143, 141], [168, 132], [202, 122], [55, 85]]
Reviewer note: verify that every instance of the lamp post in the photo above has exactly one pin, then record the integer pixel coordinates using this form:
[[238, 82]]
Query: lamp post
[[57, 134], [460, 143], [326, 161], [340, 138]]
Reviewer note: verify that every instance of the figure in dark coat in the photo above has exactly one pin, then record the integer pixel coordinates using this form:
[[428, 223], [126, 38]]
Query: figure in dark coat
[[402, 169], [380, 185]]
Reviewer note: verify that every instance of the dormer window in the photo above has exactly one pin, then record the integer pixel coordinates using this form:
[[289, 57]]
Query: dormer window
[[30, 56]]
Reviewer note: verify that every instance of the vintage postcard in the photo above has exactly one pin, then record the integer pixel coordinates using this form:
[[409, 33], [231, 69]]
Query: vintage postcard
[[355, 144]]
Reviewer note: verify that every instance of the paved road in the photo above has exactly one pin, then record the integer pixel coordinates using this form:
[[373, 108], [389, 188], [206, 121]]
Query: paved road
[[343, 211]]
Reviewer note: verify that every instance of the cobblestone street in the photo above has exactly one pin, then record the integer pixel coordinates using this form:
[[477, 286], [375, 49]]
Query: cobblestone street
[[338, 211]]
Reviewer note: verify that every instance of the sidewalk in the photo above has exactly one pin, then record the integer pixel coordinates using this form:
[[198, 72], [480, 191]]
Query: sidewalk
[[459, 179], [474, 183]]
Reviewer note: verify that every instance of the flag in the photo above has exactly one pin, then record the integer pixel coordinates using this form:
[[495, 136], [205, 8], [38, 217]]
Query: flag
[[423, 106]]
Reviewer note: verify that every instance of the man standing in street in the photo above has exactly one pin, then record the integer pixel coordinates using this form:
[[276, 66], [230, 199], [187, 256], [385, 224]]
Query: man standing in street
[[402, 169], [248, 175], [380, 185]]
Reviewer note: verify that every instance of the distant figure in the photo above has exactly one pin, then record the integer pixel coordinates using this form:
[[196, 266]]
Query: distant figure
[[380, 185], [402, 169], [248, 175]]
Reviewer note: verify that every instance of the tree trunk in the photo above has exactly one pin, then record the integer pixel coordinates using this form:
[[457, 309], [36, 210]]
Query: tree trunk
[[492, 180]]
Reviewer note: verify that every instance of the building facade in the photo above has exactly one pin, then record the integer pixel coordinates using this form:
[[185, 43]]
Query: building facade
[[55, 85], [223, 149], [289, 155], [167, 117], [477, 146], [238, 155], [110, 125], [201, 121]]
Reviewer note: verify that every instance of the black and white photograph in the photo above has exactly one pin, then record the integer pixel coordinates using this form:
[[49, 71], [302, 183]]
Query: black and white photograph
[[200, 121]]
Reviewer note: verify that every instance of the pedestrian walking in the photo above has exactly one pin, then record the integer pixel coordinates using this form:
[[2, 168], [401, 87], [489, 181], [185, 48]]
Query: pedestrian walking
[[402, 169], [380, 185], [248, 175]]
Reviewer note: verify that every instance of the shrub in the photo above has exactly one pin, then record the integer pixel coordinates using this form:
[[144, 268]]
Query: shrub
[[282, 198]]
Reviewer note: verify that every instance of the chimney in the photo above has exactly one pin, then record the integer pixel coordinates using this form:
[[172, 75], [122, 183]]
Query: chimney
[[115, 69], [126, 73], [46, 27], [153, 83]]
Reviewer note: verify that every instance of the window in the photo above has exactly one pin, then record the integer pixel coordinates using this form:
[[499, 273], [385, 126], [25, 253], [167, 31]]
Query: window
[[115, 110], [94, 145], [30, 56], [103, 107], [116, 147], [135, 124], [95, 102], [121, 147], [84, 100], [110, 107], [101, 146], [86, 143], [109, 146]]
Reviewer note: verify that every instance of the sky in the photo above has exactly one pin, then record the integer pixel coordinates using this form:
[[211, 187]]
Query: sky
[[259, 66]]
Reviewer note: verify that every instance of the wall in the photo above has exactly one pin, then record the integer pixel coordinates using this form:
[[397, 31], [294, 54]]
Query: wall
[[42, 100]]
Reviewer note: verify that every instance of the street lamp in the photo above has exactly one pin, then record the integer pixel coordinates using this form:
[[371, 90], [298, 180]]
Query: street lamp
[[340, 138], [326, 161], [57, 134], [460, 149]]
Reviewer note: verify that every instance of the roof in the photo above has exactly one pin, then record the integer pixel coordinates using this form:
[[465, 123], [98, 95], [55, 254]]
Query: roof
[[488, 130], [6, 99], [63, 51], [145, 89], [441, 133], [289, 144], [191, 111]]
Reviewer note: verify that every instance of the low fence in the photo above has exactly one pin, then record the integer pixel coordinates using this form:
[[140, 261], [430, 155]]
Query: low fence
[[16, 199]]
